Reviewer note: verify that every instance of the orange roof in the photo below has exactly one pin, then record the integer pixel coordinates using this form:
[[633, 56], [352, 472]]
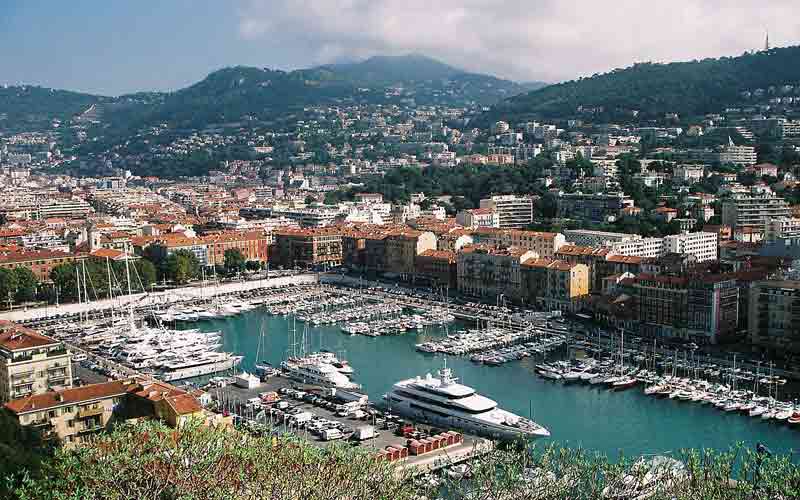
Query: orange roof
[[625, 259], [582, 250], [110, 253], [70, 396], [29, 255], [14, 336], [549, 264], [234, 236], [440, 255], [493, 250], [184, 404]]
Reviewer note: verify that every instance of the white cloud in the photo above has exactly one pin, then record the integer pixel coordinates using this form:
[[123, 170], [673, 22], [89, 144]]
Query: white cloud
[[522, 39]]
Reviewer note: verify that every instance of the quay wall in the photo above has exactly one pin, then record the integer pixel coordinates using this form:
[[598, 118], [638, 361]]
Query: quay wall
[[163, 298]]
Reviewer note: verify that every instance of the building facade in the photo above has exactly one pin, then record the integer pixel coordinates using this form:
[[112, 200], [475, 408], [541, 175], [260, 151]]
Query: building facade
[[31, 363], [747, 211], [488, 271], [513, 211], [774, 316]]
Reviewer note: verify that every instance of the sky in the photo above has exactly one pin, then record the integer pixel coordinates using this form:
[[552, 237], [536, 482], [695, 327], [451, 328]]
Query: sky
[[112, 47]]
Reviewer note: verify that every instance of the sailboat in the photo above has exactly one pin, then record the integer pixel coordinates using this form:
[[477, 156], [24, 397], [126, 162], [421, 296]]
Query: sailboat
[[262, 368]]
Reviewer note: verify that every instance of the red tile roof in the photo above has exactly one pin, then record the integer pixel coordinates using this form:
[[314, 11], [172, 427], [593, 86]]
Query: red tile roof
[[184, 404], [70, 396], [14, 337]]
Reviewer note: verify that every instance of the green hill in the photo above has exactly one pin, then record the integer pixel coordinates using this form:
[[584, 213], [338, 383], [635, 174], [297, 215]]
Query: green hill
[[25, 105], [687, 88]]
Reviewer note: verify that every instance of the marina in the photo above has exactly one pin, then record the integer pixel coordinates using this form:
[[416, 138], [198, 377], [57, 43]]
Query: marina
[[586, 415], [538, 367]]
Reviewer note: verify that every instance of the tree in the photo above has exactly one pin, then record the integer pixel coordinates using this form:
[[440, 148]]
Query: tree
[[181, 267], [27, 283], [234, 260], [253, 265], [147, 272], [8, 285]]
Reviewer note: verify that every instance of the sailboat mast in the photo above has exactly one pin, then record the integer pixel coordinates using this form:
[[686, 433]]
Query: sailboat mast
[[110, 296], [78, 284]]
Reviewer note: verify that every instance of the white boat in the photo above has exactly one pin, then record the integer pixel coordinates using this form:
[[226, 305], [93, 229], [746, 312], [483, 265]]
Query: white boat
[[442, 401], [315, 369]]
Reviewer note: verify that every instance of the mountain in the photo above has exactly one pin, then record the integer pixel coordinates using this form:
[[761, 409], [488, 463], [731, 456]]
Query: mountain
[[231, 95], [390, 69], [27, 105], [688, 88]]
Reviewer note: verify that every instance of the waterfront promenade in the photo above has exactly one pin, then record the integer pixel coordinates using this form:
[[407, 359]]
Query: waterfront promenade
[[196, 291]]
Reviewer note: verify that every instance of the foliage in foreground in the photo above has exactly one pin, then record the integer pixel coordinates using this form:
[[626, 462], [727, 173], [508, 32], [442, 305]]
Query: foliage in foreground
[[151, 461]]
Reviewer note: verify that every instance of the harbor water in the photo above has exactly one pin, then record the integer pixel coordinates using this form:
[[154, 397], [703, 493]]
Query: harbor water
[[577, 415]]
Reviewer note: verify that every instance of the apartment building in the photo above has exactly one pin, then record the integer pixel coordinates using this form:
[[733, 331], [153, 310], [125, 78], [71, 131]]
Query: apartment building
[[737, 155], [40, 262], [641, 247], [555, 284], [590, 238], [488, 271], [438, 267], [67, 208], [594, 258], [783, 227], [513, 211], [751, 211], [401, 248], [31, 363], [703, 308], [544, 244], [76, 415], [595, 207], [704, 246], [774, 316], [306, 248], [478, 217], [688, 174], [254, 246], [168, 244]]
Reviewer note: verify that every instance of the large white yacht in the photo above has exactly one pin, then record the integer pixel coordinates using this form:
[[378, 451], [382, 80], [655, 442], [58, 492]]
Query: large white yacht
[[443, 402], [319, 369]]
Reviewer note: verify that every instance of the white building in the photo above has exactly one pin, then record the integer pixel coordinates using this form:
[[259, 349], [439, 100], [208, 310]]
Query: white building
[[478, 217], [688, 174], [702, 245], [514, 211], [782, 227]]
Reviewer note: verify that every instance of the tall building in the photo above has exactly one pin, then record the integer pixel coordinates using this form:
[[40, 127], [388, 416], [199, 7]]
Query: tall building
[[704, 246], [593, 207], [703, 309], [543, 244], [488, 271], [774, 316], [753, 212], [555, 284], [31, 363], [513, 211], [737, 155]]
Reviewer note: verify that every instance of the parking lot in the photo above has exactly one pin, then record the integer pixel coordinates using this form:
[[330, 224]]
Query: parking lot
[[305, 412]]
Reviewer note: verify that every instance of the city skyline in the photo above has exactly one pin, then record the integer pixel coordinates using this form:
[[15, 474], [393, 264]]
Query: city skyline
[[121, 48]]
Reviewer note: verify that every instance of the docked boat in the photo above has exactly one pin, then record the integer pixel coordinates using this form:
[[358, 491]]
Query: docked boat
[[442, 401], [182, 368], [319, 369]]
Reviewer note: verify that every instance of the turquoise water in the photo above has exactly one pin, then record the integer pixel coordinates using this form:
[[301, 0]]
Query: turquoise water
[[577, 415]]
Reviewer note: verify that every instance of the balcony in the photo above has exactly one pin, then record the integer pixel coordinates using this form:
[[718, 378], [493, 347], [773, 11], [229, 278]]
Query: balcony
[[55, 378], [90, 412], [57, 352], [26, 374]]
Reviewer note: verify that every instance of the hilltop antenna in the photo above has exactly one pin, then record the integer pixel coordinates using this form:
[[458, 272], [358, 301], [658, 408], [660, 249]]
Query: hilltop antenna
[[766, 43]]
